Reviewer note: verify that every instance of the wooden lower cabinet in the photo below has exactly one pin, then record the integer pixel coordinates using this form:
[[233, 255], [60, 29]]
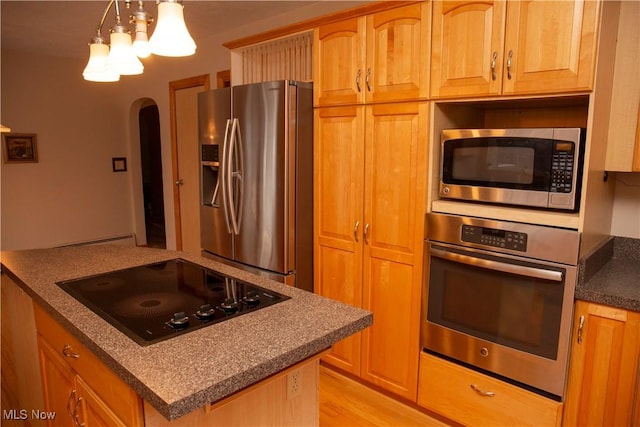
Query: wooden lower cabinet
[[603, 371], [78, 387], [473, 399]]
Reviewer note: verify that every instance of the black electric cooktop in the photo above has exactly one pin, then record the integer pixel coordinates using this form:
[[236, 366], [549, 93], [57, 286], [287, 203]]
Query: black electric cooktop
[[155, 302]]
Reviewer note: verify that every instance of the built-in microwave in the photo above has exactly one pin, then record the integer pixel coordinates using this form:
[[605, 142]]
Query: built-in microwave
[[533, 167]]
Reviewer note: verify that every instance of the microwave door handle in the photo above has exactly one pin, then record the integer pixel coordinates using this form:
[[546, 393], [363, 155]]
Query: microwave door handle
[[537, 273]]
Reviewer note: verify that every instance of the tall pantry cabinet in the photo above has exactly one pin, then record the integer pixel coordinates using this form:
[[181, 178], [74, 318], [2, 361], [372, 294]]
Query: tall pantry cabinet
[[370, 192]]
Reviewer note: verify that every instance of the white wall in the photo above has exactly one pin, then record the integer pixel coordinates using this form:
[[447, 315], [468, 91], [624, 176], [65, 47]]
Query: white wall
[[626, 206], [71, 194]]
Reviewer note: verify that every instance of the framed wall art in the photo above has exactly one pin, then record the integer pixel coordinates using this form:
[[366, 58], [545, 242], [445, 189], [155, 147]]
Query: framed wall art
[[19, 147]]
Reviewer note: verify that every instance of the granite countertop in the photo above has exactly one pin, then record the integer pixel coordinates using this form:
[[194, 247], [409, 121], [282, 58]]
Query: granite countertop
[[610, 275], [187, 372]]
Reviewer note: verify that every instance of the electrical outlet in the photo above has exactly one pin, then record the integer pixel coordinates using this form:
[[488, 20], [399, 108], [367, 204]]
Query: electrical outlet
[[294, 383]]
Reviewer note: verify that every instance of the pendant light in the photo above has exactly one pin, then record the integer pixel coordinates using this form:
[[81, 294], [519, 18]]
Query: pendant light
[[96, 69], [171, 37], [122, 59], [141, 20]]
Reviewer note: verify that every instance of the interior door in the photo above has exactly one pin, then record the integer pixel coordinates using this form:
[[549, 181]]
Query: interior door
[[186, 160]]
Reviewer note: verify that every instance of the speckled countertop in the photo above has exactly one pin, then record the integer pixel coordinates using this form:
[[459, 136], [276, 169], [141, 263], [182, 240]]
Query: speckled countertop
[[610, 275], [184, 373]]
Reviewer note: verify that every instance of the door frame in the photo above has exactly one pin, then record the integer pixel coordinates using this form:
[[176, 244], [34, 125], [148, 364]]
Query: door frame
[[174, 86]]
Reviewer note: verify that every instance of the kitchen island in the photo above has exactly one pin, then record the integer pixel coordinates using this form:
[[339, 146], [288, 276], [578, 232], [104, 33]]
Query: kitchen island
[[185, 373]]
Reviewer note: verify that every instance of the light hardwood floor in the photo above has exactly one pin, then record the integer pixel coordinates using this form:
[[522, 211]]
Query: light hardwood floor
[[347, 403]]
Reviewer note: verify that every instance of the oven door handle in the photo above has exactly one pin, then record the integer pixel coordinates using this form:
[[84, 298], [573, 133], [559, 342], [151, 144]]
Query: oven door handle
[[521, 270]]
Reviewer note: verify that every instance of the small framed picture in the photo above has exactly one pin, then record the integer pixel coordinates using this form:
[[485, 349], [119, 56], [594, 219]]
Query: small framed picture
[[119, 164], [19, 147]]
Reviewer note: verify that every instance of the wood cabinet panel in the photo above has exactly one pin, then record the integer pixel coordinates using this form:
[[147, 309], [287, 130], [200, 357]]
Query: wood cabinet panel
[[57, 383], [338, 58], [397, 54], [467, 46], [376, 58], [395, 175], [369, 228], [338, 206], [553, 45], [448, 389], [603, 372], [513, 48], [118, 397]]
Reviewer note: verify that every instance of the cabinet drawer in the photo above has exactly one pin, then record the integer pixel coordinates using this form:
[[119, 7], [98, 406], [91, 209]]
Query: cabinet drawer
[[116, 394], [446, 388]]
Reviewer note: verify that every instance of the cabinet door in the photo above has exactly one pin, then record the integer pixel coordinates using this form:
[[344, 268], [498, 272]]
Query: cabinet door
[[338, 59], [395, 193], [604, 366], [93, 412], [466, 49], [550, 46], [339, 174], [397, 54], [57, 384]]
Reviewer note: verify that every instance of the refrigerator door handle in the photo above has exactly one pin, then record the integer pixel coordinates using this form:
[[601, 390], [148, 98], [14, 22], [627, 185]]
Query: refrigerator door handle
[[223, 178], [230, 176], [238, 175]]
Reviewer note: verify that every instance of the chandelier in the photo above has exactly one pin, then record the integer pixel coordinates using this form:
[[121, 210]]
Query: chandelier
[[170, 38]]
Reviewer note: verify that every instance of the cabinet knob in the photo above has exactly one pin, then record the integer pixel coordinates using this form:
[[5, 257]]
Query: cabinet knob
[[358, 77], [355, 230], [368, 78], [179, 182], [510, 56]]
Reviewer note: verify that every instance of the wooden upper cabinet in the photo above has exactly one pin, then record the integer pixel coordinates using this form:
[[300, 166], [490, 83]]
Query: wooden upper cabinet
[[378, 58], [466, 49], [338, 59], [397, 54], [513, 48], [551, 46]]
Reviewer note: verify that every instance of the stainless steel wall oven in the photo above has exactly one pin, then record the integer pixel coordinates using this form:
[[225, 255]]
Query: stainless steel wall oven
[[498, 296]]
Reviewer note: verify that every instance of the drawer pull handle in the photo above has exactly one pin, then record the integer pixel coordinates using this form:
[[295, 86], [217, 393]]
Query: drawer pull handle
[[482, 392], [68, 351]]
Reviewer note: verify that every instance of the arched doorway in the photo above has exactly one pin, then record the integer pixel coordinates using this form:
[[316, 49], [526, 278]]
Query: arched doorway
[[151, 166]]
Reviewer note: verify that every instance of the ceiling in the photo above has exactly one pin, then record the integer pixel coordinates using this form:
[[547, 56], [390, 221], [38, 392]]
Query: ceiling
[[64, 28]]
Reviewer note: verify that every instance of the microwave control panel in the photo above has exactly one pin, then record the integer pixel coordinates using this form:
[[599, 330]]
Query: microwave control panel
[[562, 165], [493, 237]]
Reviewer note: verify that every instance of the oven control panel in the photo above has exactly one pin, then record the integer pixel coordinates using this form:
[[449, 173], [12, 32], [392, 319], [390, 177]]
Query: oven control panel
[[493, 237]]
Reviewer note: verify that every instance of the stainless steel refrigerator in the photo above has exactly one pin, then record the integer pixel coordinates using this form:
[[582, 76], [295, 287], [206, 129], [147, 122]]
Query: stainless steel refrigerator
[[256, 209]]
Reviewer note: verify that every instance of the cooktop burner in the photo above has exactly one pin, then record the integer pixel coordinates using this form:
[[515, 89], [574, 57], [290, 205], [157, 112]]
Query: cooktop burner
[[155, 302]]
